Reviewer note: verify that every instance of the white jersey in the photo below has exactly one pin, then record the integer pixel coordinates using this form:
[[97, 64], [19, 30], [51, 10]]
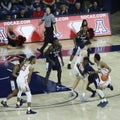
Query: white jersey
[[104, 71], [23, 74]]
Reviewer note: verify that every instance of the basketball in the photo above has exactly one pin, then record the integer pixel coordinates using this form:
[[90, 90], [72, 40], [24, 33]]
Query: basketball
[[104, 77]]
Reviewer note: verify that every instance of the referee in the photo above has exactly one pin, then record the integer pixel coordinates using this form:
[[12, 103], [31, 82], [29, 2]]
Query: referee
[[50, 28]]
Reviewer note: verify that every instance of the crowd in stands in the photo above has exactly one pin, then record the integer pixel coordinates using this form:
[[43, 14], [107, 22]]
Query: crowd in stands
[[17, 9]]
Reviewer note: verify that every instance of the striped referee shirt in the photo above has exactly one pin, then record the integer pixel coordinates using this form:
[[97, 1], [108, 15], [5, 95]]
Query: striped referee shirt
[[49, 19]]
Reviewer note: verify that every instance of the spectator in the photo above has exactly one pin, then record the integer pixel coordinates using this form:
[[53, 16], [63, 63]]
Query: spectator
[[38, 12], [13, 40], [71, 4], [15, 8], [101, 4], [64, 10], [95, 8], [8, 16], [77, 8], [86, 6], [50, 4], [59, 3], [37, 3], [22, 14], [6, 5], [21, 3], [29, 7]]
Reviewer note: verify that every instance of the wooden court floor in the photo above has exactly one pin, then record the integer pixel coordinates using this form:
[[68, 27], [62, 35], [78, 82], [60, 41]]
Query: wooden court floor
[[58, 105]]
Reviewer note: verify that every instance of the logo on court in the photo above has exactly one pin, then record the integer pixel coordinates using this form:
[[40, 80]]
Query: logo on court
[[100, 27]]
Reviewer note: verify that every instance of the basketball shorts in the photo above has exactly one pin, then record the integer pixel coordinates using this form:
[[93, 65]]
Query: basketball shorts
[[94, 79], [50, 67]]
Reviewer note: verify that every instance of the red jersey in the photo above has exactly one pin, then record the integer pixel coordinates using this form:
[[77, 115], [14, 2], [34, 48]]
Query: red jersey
[[37, 14], [48, 1]]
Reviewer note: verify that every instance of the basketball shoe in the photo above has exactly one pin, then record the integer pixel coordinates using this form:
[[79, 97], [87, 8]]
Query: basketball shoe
[[31, 112], [4, 104]]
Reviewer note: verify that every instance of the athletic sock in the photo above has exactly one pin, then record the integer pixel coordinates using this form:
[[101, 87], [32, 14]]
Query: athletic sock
[[5, 100], [29, 108]]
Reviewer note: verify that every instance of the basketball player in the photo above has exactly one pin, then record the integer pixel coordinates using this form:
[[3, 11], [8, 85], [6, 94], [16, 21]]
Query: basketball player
[[79, 42], [13, 78], [53, 63], [23, 81], [105, 70], [79, 76], [93, 78]]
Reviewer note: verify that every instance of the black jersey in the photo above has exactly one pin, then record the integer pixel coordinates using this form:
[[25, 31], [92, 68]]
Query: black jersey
[[53, 55]]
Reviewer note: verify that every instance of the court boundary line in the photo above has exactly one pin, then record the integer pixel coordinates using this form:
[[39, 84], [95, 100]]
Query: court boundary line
[[61, 104]]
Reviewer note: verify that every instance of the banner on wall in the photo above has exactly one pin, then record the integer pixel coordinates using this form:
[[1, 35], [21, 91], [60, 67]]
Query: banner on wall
[[67, 27]]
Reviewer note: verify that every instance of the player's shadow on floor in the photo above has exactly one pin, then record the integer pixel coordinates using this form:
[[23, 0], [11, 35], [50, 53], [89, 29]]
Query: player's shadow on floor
[[37, 85]]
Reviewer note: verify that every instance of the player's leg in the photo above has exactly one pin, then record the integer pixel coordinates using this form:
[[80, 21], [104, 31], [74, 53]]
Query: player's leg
[[103, 101], [84, 88], [47, 77], [19, 98], [77, 80], [72, 57], [91, 90], [48, 71], [109, 84], [29, 99], [14, 92], [59, 72], [93, 79]]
